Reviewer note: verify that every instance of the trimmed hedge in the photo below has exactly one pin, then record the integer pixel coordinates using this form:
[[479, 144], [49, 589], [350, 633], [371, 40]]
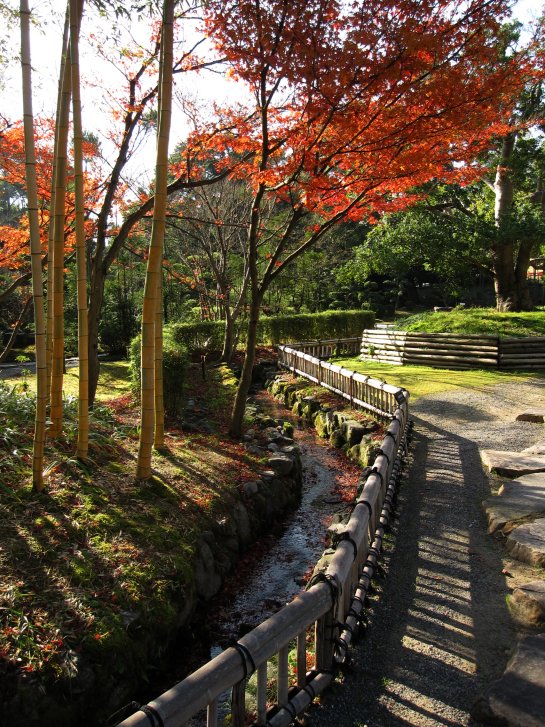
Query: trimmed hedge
[[315, 326], [175, 362], [277, 329], [193, 336]]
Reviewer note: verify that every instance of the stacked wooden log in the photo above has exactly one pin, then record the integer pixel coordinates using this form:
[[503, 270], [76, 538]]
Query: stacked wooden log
[[522, 353], [453, 351]]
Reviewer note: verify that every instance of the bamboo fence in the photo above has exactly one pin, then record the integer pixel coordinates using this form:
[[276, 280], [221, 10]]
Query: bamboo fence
[[310, 636]]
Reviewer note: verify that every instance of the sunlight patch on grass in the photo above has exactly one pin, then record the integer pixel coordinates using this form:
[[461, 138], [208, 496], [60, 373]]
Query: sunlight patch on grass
[[424, 380]]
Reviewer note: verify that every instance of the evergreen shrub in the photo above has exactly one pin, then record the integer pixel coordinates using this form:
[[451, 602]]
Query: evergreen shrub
[[175, 363]]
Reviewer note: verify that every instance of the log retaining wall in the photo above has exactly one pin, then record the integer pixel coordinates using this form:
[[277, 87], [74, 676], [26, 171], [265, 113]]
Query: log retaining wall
[[452, 351]]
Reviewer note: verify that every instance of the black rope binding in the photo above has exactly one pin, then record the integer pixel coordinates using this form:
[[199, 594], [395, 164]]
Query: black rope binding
[[339, 537], [153, 715], [123, 713], [367, 505], [331, 582], [383, 453], [309, 689], [245, 657], [378, 473], [290, 709]]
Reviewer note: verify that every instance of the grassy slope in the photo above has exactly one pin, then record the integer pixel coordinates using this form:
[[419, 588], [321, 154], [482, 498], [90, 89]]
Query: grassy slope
[[477, 320], [98, 557], [422, 380]]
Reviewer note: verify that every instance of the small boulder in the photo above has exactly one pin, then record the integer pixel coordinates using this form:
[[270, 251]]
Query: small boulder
[[281, 464], [527, 603], [532, 415], [527, 543], [353, 431], [517, 699], [336, 439]]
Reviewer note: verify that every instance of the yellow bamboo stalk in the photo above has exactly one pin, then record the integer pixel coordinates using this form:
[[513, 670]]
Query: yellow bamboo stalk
[[159, 436], [57, 364], [35, 253], [63, 79], [155, 255], [76, 9]]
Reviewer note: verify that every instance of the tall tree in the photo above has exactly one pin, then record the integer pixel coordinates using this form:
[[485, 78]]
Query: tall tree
[[354, 106]]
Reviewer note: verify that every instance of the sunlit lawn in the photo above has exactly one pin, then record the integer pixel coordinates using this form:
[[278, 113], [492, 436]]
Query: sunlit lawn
[[423, 380], [114, 380]]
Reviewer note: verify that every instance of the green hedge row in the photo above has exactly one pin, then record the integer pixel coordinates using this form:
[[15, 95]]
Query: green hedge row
[[277, 329], [175, 362]]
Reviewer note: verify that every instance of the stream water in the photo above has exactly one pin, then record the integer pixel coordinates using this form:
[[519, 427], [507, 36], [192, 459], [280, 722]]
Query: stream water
[[274, 572]]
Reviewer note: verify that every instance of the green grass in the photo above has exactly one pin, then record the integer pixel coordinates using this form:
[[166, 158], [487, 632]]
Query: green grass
[[424, 380], [114, 381], [477, 321]]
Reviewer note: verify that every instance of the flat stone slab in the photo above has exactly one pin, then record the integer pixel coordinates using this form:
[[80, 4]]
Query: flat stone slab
[[527, 603], [537, 448], [518, 697], [527, 543], [528, 487], [532, 415], [512, 464], [502, 511]]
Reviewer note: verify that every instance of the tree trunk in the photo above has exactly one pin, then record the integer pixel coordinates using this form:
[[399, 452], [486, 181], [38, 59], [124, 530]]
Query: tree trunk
[[17, 327], [155, 256], [228, 337], [36, 254], [245, 382], [96, 298], [510, 282], [76, 10], [504, 277]]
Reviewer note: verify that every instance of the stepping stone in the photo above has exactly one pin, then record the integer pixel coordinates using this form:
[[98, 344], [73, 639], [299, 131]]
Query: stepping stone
[[527, 543], [517, 699], [537, 448], [527, 603], [517, 499], [502, 511], [512, 464], [532, 415], [531, 487]]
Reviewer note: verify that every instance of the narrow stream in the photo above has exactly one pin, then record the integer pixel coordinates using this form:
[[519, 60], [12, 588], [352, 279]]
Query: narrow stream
[[282, 567]]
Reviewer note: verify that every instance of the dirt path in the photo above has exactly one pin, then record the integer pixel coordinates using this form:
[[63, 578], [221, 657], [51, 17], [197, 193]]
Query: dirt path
[[440, 629]]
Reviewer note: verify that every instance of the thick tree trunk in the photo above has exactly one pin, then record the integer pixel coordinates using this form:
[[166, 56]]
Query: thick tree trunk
[[509, 267], [504, 278]]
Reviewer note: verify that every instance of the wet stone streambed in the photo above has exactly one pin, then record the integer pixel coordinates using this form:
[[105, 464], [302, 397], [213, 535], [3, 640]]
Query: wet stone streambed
[[276, 568]]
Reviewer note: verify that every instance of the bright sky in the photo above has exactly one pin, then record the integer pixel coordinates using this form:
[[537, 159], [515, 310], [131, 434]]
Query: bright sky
[[46, 40]]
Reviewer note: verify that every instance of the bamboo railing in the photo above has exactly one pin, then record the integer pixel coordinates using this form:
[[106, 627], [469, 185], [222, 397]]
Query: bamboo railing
[[308, 637], [361, 391]]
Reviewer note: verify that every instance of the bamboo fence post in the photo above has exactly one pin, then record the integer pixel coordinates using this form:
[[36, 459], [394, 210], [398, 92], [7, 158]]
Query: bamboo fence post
[[238, 704], [262, 694], [302, 659], [283, 675]]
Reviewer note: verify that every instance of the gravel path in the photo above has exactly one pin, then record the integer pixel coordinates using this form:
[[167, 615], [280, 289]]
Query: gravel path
[[439, 629]]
